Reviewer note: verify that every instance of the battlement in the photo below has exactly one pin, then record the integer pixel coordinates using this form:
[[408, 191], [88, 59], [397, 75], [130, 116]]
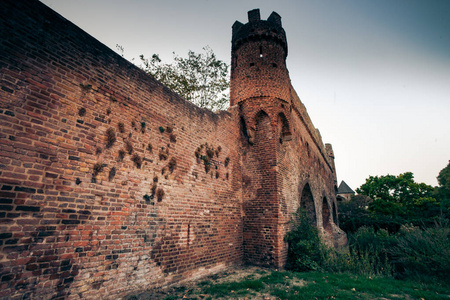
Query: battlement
[[257, 29]]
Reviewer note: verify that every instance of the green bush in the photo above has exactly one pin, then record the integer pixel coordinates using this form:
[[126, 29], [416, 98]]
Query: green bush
[[358, 263], [412, 252], [366, 239], [367, 254], [423, 253], [306, 251]]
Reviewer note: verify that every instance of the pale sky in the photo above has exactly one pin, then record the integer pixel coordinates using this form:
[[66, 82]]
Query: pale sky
[[373, 75]]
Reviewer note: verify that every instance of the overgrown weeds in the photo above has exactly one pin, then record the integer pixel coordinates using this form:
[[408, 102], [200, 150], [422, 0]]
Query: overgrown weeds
[[413, 252]]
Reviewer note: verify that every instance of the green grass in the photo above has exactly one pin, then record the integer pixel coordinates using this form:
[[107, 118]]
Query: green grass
[[314, 285]]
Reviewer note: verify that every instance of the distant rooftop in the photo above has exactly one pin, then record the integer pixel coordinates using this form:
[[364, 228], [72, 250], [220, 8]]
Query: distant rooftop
[[345, 189]]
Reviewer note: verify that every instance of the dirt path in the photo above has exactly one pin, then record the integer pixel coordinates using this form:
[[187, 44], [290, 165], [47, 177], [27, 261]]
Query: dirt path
[[190, 290]]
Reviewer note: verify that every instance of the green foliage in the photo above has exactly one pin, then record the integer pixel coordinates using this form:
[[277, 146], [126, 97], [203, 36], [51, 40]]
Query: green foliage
[[310, 285], [423, 252], [397, 200], [359, 263], [366, 239], [411, 252], [444, 179], [443, 191], [400, 189], [306, 251], [354, 214], [200, 78], [367, 254]]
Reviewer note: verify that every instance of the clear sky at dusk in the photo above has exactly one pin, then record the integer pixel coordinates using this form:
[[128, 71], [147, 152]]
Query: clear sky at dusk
[[373, 75]]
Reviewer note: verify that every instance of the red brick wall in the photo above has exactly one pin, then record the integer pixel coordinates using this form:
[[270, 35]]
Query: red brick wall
[[112, 184], [79, 214], [282, 151]]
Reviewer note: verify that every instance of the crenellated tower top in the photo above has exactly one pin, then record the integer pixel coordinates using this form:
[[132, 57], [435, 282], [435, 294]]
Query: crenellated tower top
[[257, 29], [258, 59]]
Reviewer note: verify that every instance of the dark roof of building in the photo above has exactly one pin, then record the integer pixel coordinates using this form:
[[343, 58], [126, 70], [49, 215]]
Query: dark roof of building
[[345, 189]]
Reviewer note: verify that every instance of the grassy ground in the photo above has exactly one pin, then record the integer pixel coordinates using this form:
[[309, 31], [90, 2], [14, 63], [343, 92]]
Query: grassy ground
[[257, 283]]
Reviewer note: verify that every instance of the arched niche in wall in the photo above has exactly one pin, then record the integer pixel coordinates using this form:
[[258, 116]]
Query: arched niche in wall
[[307, 203], [263, 126], [326, 215], [284, 131], [335, 215]]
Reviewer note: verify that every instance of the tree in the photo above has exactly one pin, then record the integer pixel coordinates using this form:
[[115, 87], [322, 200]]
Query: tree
[[399, 200], [400, 189], [354, 214], [443, 191], [200, 78]]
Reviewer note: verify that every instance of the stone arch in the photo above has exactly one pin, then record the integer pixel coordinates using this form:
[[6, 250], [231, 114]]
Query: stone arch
[[263, 126], [335, 215], [284, 131], [326, 216], [261, 114], [307, 203]]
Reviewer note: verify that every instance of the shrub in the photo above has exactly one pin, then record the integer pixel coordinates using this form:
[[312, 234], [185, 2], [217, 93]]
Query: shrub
[[423, 253], [306, 252], [366, 239], [367, 254], [360, 263]]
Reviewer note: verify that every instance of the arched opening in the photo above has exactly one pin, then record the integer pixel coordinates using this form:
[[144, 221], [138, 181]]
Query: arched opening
[[307, 204], [335, 217], [243, 130], [263, 134], [326, 215], [284, 131]]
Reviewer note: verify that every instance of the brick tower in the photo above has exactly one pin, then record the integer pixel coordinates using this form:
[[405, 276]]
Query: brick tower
[[261, 88], [258, 59]]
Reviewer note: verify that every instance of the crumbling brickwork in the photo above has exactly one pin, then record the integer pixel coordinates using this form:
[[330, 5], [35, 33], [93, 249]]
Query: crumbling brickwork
[[110, 183]]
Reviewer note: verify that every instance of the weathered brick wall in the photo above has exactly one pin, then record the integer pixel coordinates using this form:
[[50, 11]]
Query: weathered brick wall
[[110, 183], [285, 164]]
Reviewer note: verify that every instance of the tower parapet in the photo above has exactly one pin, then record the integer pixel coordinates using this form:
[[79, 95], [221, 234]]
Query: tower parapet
[[258, 60], [257, 29]]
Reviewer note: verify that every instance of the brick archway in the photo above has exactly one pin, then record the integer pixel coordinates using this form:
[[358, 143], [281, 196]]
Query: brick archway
[[307, 203], [326, 216]]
